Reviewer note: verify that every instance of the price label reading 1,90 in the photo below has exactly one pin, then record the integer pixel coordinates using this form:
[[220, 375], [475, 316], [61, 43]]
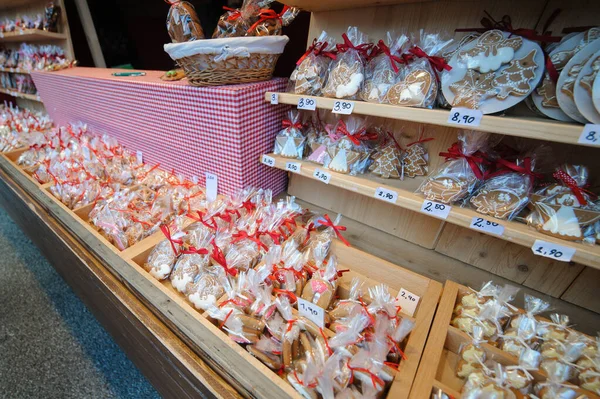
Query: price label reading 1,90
[[436, 209], [465, 117], [312, 312], [306, 103], [322, 176], [293, 167], [590, 135], [343, 107], [486, 226], [553, 251]]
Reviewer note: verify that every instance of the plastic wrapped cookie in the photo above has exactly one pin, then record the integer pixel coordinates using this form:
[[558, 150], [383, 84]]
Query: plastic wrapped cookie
[[183, 23], [186, 269], [290, 142], [311, 69], [161, 260]]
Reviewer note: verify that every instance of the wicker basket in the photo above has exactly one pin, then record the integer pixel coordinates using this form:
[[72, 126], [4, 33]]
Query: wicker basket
[[214, 62]]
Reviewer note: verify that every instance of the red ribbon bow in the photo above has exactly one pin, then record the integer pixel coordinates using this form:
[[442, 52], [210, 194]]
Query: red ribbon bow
[[266, 14], [167, 232], [335, 228], [438, 63], [287, 124], [363, 49], [526, 169], [233, 13], [243, 235], [374, 378], [393, 58], [200, 218], [456, 152], [194, 250], [249, 206], [276, 237], [578, 191], [357, 137], [318, 48], [218, 256]]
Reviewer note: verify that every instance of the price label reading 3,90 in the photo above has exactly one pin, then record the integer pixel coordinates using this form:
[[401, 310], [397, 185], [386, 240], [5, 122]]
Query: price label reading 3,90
[[343, 107], [306, 103]]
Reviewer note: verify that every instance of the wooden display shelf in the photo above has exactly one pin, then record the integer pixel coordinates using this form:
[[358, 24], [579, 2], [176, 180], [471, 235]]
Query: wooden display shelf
[[367, 185], [14, 70], [250, 377], [529, 127], [438, 365], [31, 35], [17, 94], [316, 5]]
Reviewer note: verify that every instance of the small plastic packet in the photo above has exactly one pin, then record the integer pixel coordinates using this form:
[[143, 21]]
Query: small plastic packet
[[526, 324], [349, 154], [492, 385], [270, 23], [419, 84], [183, 23], [506, 192], [347, 72], [554, 387], [385, 68], [463, 170], [162, 258], [290, 142], [51, 17], [472, 354], [206, 287], [308, 78]]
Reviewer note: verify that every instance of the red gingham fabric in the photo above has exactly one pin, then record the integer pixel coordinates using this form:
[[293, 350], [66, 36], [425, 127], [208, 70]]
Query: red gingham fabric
[[193, 130]]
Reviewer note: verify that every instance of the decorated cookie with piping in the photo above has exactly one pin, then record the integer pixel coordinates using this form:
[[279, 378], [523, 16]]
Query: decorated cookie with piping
[[582, 93]]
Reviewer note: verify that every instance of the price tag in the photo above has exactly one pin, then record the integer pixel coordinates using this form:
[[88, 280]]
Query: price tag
[[195, 179], [306, 103], [211, 187], [553, 251], [274, 98], [343, 107], [139, 157], [436, 209], [322, 176], [312, 312], [407, 301], [465, 117], [590, 135], [293, 166], [269, 161], [485, 225], [386, 195]]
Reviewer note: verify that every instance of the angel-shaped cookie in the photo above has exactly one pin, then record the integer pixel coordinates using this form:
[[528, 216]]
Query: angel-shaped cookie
[[491, 51], [343, 155], [344, 80], [291, 147], [413, 90]]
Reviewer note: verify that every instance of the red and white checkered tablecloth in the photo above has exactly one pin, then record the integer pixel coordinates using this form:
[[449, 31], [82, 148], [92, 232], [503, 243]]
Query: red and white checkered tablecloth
[[193, 130]]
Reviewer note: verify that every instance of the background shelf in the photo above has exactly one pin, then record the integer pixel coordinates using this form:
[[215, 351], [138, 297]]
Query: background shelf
[[15, 93], [31, 35], [14, 70]]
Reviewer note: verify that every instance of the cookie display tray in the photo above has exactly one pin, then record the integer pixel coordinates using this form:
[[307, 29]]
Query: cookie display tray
[[370, 186], [529, 127], [437, 370], [232, 362]]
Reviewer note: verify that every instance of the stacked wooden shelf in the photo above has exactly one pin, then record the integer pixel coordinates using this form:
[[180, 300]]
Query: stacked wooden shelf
[[31, 35], [14, 70], [229, 359], [14, 93]]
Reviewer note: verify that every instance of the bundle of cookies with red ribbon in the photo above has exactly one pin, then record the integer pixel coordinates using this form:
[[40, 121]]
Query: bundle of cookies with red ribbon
[[352, 145], [19, 126], [249, 262], [504, 183]]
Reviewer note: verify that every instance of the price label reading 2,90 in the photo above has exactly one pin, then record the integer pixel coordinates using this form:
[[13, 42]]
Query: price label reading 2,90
[[293, 167], [322, 176], [386, 195], [465, 117], [553, 251], [307, 103]]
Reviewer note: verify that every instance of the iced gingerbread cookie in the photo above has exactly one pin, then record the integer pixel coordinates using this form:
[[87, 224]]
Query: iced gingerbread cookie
[[344, 80], [472, 89], [446, 189], [414, 160], [502, 196], [386, 163], [413, 89], [491, 51], [160, 261], [342, 155]]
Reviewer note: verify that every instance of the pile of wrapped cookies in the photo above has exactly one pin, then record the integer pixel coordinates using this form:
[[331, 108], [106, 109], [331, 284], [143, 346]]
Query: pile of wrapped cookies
[[17, 126], [48, 21], [250, 263], [253, 18], [569, 360], [491, 71], [30, 57]]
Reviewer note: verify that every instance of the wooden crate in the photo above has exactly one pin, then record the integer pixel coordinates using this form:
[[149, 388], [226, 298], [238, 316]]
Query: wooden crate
[[438, 364], [232, 361]]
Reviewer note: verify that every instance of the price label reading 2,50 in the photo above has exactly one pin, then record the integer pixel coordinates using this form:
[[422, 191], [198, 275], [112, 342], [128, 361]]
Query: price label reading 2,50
[[485, 225], [343, 107], [436, 209], [465, 117], [306, 103], [553, 251], [590, 135]]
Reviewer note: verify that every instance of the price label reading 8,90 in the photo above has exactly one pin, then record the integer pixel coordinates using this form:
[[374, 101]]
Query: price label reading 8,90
[[267, 160], [553, 251], [306, 103], [465, 117], [590, 135], [436, 209], [343, 107]]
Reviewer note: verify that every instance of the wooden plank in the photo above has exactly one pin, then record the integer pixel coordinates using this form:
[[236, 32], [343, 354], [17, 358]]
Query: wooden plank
[[31, 35], [584, 290], [511, 261], [166, 361], [440, 267], [14, 93], [519, 126], [367, 185]]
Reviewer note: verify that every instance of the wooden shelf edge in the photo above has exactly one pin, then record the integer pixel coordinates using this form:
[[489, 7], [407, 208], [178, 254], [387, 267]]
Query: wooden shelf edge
[[514, 232], [533, 128], [15, 93], [14, 70], [31, 35]]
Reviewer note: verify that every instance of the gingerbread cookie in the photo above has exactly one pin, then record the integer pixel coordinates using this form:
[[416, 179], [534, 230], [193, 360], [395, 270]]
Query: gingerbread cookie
[[343, 155], [387, 162], [414, 160], [183, 23], [472, 89], [413, 89], [587, 81], [502, 196], [515, 79], [344, 80], [491, 51], [173, 75], [446, 189]]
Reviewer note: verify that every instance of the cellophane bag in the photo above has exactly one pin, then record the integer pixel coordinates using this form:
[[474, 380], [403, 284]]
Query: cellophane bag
[[347, 72], [51, 16], [384, 69], [271, 23], [236, 23], [463, 170], [349, 153], [387, 158], [311, 69], [506, 192], [566, 209], [317, 146], [183, 23], [290, 142], [419, 84]]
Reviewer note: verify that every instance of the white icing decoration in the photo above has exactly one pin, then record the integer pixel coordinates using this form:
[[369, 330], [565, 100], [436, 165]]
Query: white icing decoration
[[563, 222], [289, 149], [161, 272], [489, 63], [202, 302], [351, 88], [339, 163], [179, 283]]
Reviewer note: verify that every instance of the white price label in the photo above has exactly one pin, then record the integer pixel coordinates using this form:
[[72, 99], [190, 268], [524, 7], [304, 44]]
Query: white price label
[[269, 161], [293, 166], [312, 312], [211, 187], [307, 103], [274, 98], [139, 157], [407, 301], [553, 251], [343, 107], [465, 116], [590, 135], [322, 176], [485, 225], [386, 195], [436, 209]]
